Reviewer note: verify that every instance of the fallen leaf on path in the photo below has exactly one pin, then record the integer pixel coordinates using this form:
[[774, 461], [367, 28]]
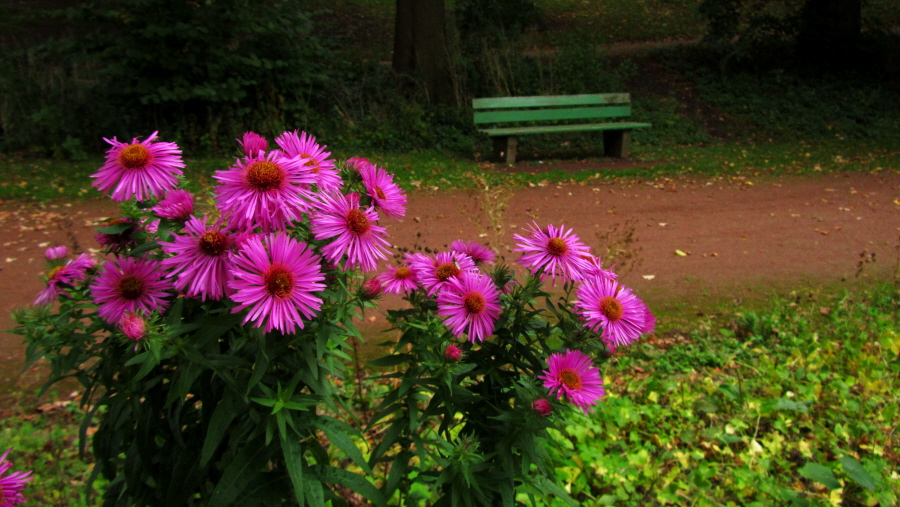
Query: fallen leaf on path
[[663, 224], [823, 233], [681, 253], [648, 277], [10, 259]]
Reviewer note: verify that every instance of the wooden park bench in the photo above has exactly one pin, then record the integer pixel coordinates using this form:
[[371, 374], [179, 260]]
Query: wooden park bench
[[542, 115]]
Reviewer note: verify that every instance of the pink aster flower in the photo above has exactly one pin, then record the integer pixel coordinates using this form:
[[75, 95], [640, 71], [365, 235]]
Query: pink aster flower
[[12, 485], [542, 407], [452, 353], [606, 304], [61, 276], [133, 326], [574, 375], [266, 191], [252, 144], [356, 164], [201, 259], [314, 158], [385, 194], [56, 252], [479, 253], [177, 205], [140, 169], [399, 280], [275, 276], [471, 303], [129, 284], [554, 250], [354, 228], [371, 289], [435, 273]]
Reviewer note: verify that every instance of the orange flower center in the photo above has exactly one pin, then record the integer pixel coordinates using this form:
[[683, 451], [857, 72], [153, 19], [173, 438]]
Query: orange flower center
[[447, 270], [312, 162], [279, 282], [130, 287], [380, 193], [358, 222], [134, 156], [611, 308], [213, 243], [263, 175], [570, 378], [557, 247], [474, 302], [402, 273]]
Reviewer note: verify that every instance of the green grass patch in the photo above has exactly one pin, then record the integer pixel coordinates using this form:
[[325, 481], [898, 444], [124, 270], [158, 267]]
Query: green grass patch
[[793, 405]]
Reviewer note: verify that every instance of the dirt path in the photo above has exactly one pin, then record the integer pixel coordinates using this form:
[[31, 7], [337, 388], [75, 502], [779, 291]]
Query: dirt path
[[742, 238]]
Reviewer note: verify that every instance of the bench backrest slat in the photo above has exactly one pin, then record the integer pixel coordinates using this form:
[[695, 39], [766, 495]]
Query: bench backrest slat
[[578, 113], [596, 99]]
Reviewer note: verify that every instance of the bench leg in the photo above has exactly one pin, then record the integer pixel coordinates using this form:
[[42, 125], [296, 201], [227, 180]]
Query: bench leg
[[505, 149], [617, 143]]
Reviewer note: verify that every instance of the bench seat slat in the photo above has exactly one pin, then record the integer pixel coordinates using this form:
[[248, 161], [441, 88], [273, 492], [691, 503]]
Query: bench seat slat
[[579, 113], [596, 99], [512, 131]]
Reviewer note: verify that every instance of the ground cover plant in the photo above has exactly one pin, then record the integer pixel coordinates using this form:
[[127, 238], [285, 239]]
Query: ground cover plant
[[211, 341]]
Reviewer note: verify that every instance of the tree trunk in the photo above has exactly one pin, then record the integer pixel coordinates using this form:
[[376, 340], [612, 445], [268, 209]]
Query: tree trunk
[[829, 32], [420, 47]]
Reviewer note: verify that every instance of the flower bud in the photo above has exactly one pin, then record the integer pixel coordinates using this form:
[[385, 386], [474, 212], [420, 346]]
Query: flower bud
[[371, 289], [133, 326], [355, 164], [542, 407], [253, 144], [56, 252], [452, 353]]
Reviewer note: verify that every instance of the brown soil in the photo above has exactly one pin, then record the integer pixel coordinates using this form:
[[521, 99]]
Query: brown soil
[[741, 238]]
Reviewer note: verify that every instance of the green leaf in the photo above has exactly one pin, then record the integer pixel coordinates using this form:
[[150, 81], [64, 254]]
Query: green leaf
[[820, 474], [546, 486], [357, 483], [218, 425], [856, 472], [338, 433], [246, 468], [293, 458], [392, 360]]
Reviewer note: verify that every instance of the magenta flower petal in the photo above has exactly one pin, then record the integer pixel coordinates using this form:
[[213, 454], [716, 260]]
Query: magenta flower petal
[[129, 284], [252, 144], [399, 280], [554, 250], [313, 157], [133, 326], [353, 228], [385, 194], [605, 304], [266, 191], [177, 205], [471, 303], [61, 276], [435, 273], [11, 486], [56, 252], [275, 277], [573, 374], [479, 253], [201, 259], [140, 169]]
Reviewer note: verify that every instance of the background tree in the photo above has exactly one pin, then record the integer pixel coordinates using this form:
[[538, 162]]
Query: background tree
[[420, 47]]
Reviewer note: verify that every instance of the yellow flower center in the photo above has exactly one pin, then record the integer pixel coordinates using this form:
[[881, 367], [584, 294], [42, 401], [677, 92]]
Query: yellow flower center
[[380, 193], [134, 156], [213, 243], [402, 273], [358, 222], [53, 273], [570, 378], [611, 308], [311, 163], [130, 287], [263, 175], [279, 282], [557, 247]]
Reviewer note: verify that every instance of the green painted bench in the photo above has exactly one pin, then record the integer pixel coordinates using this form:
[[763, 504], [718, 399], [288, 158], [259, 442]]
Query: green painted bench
[[542, 115]]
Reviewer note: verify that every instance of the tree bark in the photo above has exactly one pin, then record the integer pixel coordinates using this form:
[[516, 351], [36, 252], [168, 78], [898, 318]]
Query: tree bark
[[420, 47]]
